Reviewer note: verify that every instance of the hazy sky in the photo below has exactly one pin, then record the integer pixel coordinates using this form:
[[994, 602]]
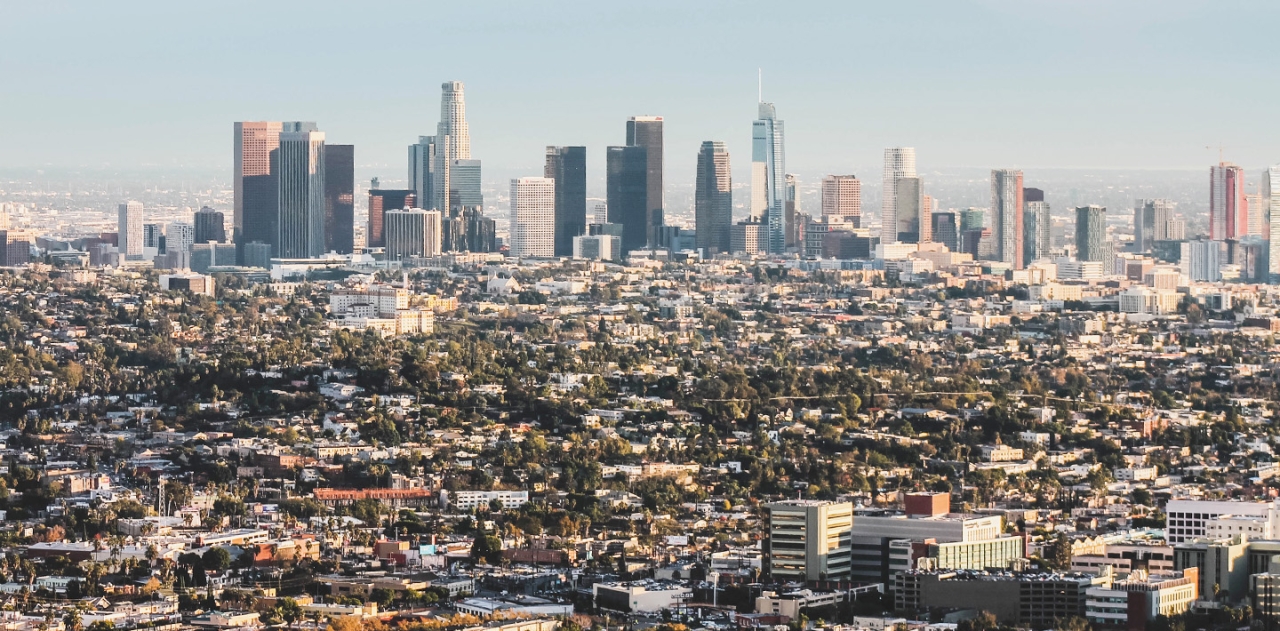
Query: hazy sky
[[987, 83]]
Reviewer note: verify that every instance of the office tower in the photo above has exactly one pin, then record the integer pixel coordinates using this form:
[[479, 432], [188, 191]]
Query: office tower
[[599, 247], [1006, 211], [1151, 222], [597, 211], [1091, 233], [152, 236], [412, 233], [299, 169], [533, 216], [973, 219], [464, 186], [179, 237], [713, 198], [809, 540], [339, 198], [1271, 206], [911, 216], [793, 231], [1228, 209], [899, 162], [1257, 216], [568, 167], [1036, 224], [750, 236], [422, 160], [1201, 260], [382, 200], [646, 131], [131, 238], [945, 230], [209, 226], [254, 215], [626, 183], [452, 143], [768, 170], [842, 197]]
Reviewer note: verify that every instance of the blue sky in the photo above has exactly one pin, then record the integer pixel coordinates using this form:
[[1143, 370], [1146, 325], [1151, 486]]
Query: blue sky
[[984, 83]]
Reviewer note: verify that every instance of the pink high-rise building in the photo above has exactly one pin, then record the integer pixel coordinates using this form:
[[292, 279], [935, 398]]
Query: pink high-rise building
[[1228, 207]]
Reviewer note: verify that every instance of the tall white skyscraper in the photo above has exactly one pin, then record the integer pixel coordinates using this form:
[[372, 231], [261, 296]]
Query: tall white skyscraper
[[300, 223], [130, 229], [533, 216], [1006, 215], [899, 162], [768, 175], [1271, 206], [452, 143]]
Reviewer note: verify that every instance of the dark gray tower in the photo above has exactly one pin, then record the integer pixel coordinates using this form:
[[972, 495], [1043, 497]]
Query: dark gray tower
[[568, 167]]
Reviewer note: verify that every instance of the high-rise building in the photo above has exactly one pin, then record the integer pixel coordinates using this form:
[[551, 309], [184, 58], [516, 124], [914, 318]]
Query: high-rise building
[[382, 200], [1228, 208], [809, 540], [794, 221], [131, 238], [1036, 224], [299, 169], [452, 143], [1006, 211], [646, 131], [914, 224], [152, 236], [973, 219], [339, 198], [1201, 260], [899, 162], [842, 197], [422, 167], [179, 237], [626, 183], [1091, 233], [568, 167], [1257, 216], [533, 215], [768, 172], [597, 211], [464, 187], [1271, 204], [256, 195], [412, 233], [945, 230], [210, 226], [713, 198], [1151, 218]]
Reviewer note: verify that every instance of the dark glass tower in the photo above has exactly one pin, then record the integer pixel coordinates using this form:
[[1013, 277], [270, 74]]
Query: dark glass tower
[[339, 198], [568, 167], [713, 198], [209, 226], [646, 131], [627, 194]]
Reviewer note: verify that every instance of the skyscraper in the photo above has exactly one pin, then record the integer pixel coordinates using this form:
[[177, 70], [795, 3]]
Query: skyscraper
[[1091, 233], [568, 167], [299, 168], [1036, 235], [382, 200], [713, 198], [842, 197], [179, 237], [412, 232], [1151, 219], [210, 226], [422, 161], [339, 198], [899, 162], [533, 215], [452, 142], [911, 216], [256, 195], [768, 170], [1271, 204], [130, 239], [945, 230], [646, 131], [973, 219], [1006, 211], [1228, 209], [626, 183], [1257, 216]]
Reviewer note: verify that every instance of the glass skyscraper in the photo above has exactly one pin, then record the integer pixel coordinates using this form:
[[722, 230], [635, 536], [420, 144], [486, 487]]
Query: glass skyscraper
[[768, 173], [568, 167], [713, 198], [299, 168], [626, 170], [646, 131]]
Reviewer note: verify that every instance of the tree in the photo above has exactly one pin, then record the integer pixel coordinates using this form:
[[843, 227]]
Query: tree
[[216, 559], [345, 623], [289, 610], [383, 597], [983, 621], [486, 549], [1057, 555]]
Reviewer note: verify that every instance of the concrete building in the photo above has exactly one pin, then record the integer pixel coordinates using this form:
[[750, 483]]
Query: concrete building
[[533, 217], [1139, 598], [809, 540]]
